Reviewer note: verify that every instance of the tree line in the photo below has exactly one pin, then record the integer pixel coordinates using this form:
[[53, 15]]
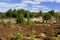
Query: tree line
[[20, 14], [14, 13]]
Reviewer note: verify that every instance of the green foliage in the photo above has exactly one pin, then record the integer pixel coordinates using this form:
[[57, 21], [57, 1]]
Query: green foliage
[[56, 16], [2, 15], [28, 18], [59, 18], [47, 17], [51, 12], [39, 14], [15, 13], [11, 37], [22, 11], [19, 35], [9, 13], [32, 37], [20, 19], [30, 14]]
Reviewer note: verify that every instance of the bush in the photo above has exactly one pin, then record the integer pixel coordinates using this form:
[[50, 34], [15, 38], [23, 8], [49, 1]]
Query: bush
[[20, 19], [11, 37], [32, 37], [46, 17], [19, 35], [9, 24]]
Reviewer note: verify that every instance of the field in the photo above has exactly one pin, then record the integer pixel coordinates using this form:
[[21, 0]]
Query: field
[[26, 25], [41, 31]]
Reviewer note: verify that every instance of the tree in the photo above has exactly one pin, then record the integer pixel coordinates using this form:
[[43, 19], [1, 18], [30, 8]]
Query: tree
[[20, 19], [15, 13], [51, 12], [30, 14], [39, 13], [9, 13], [2, 15], [22, 11], [46, 17]]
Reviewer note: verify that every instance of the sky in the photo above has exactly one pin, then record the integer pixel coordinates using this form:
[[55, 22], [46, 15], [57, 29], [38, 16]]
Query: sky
[[32, 5]]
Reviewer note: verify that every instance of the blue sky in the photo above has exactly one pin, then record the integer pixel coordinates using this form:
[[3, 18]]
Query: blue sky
[[32, 5]]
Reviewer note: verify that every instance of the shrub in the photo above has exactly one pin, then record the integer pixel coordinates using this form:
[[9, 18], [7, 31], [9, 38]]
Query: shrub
[[32, 37], [46, 17], [11, 37], [19, 35], [20, 19], [9, 24]]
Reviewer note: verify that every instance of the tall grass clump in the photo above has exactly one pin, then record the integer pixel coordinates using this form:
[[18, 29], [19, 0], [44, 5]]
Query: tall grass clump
[[11, 37], [32, 37], [19, 35], [9, 24]]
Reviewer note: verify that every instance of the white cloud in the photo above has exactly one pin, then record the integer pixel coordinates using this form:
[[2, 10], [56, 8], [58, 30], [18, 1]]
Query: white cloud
[[39, 1], [3, 4], [30, 1], [6, 6], [57, 1], [40, 6], [48, 0], [36, 1], [57, 10], [36, 8]]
